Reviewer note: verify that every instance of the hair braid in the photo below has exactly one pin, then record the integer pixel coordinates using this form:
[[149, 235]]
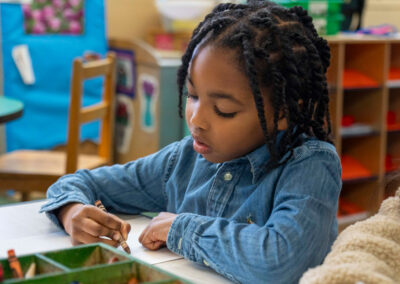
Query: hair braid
[[248, 54], [287, 65], [320, 43], [215, 26]]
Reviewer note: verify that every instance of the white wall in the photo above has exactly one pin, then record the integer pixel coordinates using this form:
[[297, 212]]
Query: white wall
[[378, 12]]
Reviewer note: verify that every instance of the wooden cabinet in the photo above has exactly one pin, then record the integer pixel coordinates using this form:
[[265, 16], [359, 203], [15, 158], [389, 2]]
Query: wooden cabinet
[[365, 112]]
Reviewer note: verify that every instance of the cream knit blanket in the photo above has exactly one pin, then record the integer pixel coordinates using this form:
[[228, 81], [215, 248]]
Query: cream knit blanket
[[366, 252]]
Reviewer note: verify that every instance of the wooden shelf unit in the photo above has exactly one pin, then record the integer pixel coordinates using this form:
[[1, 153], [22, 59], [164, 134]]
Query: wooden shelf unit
[[373, 57]]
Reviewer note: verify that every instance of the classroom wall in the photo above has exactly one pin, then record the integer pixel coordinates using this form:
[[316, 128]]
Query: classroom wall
[[379, 12], [129, 19]]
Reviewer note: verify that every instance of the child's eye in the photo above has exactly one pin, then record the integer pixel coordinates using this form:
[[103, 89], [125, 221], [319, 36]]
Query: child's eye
[[224, 114], [191, 96]]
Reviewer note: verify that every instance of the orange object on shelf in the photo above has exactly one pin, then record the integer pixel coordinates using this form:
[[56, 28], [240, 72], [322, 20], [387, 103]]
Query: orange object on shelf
[[348, 208], [353, 79], [394, 73], [353, 169], [347, 120], [391, 117], [389, 165], [393, 127]]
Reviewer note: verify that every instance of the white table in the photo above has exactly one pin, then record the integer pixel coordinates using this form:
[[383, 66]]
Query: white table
[[26, 231]]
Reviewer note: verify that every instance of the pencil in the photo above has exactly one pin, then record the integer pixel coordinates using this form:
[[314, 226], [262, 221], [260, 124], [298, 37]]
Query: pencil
[[14, 264], [121, 240]]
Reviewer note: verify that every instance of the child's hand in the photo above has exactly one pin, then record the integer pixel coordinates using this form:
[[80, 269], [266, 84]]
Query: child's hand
[[87, 223], [156, 233]]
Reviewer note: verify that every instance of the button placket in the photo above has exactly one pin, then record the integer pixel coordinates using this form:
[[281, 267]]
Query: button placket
[[221, 190]]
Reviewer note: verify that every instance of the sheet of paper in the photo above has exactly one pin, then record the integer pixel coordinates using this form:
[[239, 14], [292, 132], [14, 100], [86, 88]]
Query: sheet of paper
[[23, 220], [138, 224]]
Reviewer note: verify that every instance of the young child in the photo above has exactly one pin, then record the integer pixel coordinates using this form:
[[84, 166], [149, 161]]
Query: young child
[[253, 191]]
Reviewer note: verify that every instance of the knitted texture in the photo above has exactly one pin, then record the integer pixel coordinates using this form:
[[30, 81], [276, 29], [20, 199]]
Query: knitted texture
[[366, 252]]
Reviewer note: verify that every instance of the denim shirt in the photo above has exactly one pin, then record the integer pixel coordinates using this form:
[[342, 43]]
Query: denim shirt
[[246, 224]]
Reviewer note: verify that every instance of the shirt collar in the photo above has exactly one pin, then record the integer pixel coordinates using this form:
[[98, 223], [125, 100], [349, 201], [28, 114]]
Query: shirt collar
[[259, 158]]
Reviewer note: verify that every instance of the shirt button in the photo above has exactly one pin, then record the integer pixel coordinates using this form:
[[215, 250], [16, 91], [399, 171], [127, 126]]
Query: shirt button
[[205, 263], [227, 176]]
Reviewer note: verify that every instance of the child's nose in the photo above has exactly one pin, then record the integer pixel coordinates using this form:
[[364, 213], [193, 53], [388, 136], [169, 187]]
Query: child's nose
[[199, 117]]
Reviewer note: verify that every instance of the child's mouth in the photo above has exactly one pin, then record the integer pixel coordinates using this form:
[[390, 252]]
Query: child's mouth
[[200, 147]]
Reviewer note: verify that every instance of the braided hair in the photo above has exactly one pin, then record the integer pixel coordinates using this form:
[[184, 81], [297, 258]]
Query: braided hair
[[277, 48]]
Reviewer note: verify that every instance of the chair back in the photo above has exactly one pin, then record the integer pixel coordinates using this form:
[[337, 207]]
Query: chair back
[[103, 110]]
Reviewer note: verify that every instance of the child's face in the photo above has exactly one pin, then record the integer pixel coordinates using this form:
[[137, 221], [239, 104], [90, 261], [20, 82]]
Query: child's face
[[220, 109]]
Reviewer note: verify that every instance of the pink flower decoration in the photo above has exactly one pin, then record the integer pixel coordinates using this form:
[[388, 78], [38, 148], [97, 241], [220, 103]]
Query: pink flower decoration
[[58, 3], [51, 16], [39, 28], [48, 12], [75, 27], [54, 24], [37, 15], [79, 14], [74, 3], [69, 14], [27, 11]]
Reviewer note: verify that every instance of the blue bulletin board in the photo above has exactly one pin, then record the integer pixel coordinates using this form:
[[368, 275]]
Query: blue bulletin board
[[44, 122]]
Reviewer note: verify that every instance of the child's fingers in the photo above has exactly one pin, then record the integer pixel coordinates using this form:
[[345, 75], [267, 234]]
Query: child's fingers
[[86, 238], [109, 220], [126, 228], [143, 234], [154, 245], [97, 230], [150, 238]]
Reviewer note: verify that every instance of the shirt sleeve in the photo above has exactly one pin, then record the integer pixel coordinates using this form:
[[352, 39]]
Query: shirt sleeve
[[297, 235], [130, 188]]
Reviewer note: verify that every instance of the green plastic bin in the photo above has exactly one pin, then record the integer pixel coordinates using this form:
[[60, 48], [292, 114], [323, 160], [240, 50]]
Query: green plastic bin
[[329, 25], [315, 7], [87, 264]]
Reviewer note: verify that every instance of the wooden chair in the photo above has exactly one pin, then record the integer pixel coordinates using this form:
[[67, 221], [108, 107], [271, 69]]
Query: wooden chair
[[34, 170]]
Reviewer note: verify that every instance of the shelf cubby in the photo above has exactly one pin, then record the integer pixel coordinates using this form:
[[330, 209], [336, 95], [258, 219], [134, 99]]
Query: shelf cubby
[[356, 104], [362, 108], [367, 58], [393, 149], [366, 150], [362, 195], [394, 108]]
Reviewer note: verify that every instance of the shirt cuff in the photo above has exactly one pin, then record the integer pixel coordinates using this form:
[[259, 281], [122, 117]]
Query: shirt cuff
[[59, 201], [181, 235]]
